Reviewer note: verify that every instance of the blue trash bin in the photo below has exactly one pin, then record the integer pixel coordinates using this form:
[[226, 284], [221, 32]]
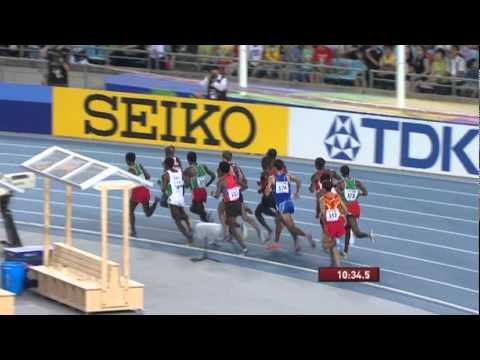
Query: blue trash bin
[[13, 276]]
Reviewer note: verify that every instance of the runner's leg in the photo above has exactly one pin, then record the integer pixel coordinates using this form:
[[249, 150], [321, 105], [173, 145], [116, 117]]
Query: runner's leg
[[178, 217], [133, 206], [149, 210]]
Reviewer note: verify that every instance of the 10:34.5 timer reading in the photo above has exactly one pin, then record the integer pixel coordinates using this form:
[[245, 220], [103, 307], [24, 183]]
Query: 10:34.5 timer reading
[[370, 274]]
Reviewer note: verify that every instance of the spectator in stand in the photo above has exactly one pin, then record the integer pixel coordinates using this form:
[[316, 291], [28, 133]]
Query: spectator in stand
[[322, 55], [255, 56], [157, 56], [420, 65], [388, 62], [372, 55], [57, 57], [470, 88], [469, 52], [307, 66], [438, 72], [79, 57], [457, 66], [293, 55], [273, 54]]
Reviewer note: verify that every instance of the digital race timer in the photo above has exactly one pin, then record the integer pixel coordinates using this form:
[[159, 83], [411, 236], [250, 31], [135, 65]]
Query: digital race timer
[[371, 274]]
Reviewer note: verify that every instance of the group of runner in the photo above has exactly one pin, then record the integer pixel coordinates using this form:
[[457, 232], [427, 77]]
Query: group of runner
[[337, 207]]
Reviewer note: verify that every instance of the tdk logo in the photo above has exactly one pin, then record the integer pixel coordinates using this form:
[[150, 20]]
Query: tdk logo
[[440, 142], [342, 141]]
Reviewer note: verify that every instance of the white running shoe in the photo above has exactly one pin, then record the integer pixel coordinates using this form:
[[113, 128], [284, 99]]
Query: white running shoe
[[245, 252], [372, 236]]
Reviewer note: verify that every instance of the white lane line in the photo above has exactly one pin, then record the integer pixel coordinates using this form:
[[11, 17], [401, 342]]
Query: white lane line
[[247, 157], [247, 167], [313, 198], [383, 268], [403, 292], [378, 234], [370, 193], [314, 224]]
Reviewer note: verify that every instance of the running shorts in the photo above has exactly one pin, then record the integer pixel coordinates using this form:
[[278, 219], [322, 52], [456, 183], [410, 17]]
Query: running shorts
[[141, 195], [199, 195], [354, 209], [233, 208], [286, 207], [268, 201], [336, 229]]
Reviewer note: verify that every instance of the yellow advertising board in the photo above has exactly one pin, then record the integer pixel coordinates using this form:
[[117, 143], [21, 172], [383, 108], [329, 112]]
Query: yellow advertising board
[[163, 120]]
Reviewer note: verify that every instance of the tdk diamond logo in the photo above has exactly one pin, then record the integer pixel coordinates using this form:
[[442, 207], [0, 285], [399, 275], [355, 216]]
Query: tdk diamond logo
[[342, 140]]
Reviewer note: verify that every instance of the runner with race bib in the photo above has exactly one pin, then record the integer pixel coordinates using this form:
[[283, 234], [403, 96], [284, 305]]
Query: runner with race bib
[[228, 187], [172, 187], [316, 182], [198, 177], [332, 211], [279, 184], [351, 189], [139, 194]]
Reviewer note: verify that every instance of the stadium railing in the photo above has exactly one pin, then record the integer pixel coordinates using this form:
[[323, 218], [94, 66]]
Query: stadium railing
[[341, 72]]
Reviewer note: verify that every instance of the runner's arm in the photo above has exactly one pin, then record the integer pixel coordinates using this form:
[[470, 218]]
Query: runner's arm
[[322, 208], [165, 181], [187, 178], [363, 188], [313, 178], [219, 190], [298, 183], [268, 188], [211, 174], [145, 172]]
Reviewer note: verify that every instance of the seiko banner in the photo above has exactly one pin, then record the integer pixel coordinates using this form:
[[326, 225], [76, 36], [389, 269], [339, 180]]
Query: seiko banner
[[386, 142], [156, 119]]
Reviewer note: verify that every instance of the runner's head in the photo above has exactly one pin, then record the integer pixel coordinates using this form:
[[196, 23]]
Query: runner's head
[[192, 157], [227, 156], [224, 168], [130, 158], [267, 163], [279, 165], [169, 163], [170, 151], [325, 177], [345, 171], [319, 163], [272, 153], [327, 185]]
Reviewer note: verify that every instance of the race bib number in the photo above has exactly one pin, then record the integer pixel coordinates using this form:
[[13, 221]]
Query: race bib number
[[281, 187], [351, 195], [233, 194], [202, 181], [332, 215], [177, 182]]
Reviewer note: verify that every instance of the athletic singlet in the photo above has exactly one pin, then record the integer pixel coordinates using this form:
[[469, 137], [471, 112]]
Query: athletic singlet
[[232, 192], [175, 188], [201, 179], [264, 179], [138, 170], [237, 172], [350, 193], [332, 206], [281, 189]]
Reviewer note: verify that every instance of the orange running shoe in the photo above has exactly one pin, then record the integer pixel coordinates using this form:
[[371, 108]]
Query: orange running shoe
[[274, 246]]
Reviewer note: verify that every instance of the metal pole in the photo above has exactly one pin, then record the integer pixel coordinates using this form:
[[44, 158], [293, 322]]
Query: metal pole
[[68, 216], [243, 68], [401, 76]]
